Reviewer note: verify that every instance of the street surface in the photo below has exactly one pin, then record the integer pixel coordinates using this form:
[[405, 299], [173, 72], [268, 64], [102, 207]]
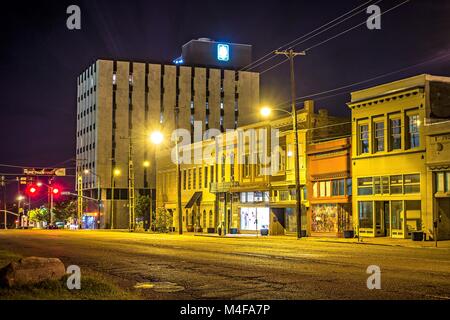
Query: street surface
[[194, 267]]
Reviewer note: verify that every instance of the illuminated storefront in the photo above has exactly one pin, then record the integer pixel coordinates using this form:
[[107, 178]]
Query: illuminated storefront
[[254, 213], [330, 182]]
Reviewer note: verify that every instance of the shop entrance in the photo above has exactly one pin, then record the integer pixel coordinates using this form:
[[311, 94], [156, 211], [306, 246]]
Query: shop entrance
[[382, 219]]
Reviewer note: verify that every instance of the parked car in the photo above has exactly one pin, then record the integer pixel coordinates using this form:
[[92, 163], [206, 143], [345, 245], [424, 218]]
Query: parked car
[[60, 225]]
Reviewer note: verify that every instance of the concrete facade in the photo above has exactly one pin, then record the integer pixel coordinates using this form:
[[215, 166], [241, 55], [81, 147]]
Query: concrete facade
[[119, 100]]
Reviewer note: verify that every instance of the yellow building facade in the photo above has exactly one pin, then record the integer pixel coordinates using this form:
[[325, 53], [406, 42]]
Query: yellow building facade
[[389, 152], [232, 188]]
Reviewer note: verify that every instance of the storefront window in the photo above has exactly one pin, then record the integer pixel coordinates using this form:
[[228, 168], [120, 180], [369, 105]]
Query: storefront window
[[365, 186], [377, 185], [412, 183], [396, 183], [254, 218], [365, 214], [291, 220], [324, 218], [413, 215], [385, 185], [397, 215]]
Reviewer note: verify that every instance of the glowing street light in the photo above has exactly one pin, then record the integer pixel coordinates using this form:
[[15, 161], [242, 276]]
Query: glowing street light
[[156, 137], [266, 111], [117, 172], [146, 164]]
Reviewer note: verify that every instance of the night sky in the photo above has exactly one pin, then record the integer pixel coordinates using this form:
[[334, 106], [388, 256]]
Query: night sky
[[40, 58]]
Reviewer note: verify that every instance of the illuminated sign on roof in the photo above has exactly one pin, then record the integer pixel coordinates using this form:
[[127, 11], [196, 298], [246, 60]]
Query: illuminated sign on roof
[[223, 52]]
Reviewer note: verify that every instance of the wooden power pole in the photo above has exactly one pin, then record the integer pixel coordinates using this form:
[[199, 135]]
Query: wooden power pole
[[291, 54]]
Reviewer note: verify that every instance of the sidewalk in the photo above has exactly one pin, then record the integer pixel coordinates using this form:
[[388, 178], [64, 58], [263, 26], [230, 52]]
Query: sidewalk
[[406, 243]]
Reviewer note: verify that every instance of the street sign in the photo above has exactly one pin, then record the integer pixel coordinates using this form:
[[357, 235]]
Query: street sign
[[61, 172]]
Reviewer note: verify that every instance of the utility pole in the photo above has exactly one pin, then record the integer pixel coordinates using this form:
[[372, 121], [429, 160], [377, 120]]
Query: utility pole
[[131, 197], [80, 199], [179, 209], [291, 54], [3, 184]]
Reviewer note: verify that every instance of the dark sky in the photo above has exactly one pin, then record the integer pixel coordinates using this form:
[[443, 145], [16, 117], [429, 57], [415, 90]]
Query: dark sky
[[40, 58]]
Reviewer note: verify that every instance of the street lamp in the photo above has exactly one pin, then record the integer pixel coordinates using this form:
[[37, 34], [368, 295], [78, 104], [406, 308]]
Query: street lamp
[[156, 137], [265, 112], [116, 173]]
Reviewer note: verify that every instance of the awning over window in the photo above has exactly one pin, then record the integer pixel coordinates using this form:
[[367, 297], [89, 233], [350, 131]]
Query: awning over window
[[196, 198]]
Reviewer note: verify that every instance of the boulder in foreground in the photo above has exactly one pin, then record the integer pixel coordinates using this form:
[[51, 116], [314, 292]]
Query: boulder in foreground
[[32, 270]]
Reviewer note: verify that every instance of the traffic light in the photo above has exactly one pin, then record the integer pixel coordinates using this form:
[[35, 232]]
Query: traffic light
[[32, 190], [56, 191]]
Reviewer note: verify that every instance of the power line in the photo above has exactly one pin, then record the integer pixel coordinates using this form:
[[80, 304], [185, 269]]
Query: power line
[[295, 42], [344, 32], [368, 80], [352, 28], [26, 167], [273, 67]]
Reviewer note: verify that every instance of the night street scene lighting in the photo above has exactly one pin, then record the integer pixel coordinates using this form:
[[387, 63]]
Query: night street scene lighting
[[225, 160]]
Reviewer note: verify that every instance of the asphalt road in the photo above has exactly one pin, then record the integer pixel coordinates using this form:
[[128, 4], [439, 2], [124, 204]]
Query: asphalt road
[[192, 267]]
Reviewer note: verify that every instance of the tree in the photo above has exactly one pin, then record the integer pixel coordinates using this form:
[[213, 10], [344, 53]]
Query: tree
[[142, 207], [39, 215], [64, 210]]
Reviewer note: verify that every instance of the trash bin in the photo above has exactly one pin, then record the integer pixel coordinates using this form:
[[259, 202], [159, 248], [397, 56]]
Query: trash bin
[[417, 236], [349, 234], [233, 230], [264, 232]]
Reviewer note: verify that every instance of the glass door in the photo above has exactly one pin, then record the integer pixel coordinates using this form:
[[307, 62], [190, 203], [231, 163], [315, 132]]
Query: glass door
[[397, 219]]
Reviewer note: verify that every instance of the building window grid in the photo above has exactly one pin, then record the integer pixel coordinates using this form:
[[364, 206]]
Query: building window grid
[[332, 188], [396, 133], [364, 138], [413, 131], [389, 185], [379, 136]]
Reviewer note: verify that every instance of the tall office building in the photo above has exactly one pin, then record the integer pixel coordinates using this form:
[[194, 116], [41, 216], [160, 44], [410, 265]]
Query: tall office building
[[120, 103]]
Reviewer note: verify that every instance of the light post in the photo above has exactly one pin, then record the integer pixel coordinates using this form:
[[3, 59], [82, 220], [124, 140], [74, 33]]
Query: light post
[[265, 112], [157, 138], [20, 198], [116, 173]]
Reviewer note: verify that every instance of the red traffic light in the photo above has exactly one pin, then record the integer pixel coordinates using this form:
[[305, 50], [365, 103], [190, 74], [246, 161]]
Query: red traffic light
[[32, 190]]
